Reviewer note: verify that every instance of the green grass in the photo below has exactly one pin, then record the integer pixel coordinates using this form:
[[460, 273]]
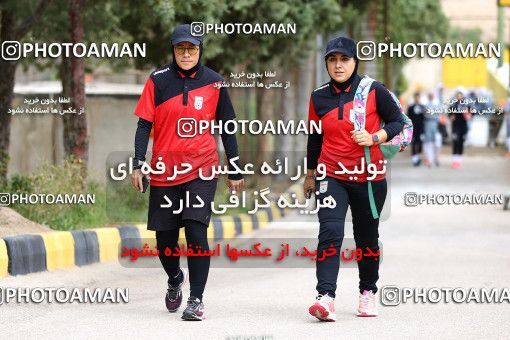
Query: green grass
[[115, 202], [61, 179]]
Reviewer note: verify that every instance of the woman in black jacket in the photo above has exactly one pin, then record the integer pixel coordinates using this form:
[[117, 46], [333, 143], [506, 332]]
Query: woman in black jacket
[[332, 104]]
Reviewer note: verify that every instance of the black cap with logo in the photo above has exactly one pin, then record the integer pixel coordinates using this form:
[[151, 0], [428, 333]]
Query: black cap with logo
[[342, 45], [183, 33]]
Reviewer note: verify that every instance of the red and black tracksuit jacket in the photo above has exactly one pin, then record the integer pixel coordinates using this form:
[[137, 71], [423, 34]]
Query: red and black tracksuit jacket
[[332, 106], [169, 96]]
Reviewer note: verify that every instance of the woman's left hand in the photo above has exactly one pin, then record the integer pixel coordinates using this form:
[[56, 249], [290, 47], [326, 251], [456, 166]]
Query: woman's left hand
[[362, 137], [235, 185]]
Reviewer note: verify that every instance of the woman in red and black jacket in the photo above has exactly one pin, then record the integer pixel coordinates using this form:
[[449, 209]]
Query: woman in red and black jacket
[[332, 104], [180, 94]]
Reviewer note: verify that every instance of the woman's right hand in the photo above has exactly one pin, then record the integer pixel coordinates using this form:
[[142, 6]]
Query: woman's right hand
[[136, 179], [309, 185]]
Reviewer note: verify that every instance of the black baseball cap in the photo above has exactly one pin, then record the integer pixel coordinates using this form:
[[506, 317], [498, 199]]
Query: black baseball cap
[[183, 33], [343, 45]]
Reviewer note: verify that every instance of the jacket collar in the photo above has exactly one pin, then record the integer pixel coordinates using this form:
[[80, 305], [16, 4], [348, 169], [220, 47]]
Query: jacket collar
[[195, 75], [354, 85]]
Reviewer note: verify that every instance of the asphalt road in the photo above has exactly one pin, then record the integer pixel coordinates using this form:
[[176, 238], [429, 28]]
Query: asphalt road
[[424, 247]]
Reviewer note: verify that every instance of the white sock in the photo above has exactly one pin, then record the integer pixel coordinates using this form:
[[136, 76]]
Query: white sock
[[429, 151]]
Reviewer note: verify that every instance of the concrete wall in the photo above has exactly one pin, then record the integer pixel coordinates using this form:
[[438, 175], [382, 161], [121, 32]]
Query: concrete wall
[[36, 138]]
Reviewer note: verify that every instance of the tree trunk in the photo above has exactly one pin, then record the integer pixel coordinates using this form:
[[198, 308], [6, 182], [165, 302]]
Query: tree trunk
[[304, 83], [67, 92], [387, 79], [286, 145], [265, 111], [247, 149], [7, 71], [9, 30], [75, 127]]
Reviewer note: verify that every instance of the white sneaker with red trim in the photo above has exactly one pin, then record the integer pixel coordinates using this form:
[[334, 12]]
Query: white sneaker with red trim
[[323, 308], [367, 304]]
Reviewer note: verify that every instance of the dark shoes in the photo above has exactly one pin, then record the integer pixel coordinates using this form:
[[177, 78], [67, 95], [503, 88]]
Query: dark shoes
[[194, 310], [173, 298]]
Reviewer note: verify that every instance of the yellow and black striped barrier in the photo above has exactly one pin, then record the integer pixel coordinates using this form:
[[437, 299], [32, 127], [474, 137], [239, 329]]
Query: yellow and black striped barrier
[[24, 254]]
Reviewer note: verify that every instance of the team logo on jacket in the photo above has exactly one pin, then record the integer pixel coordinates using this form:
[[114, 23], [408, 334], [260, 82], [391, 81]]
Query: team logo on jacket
[[198, 102], [323, 187]]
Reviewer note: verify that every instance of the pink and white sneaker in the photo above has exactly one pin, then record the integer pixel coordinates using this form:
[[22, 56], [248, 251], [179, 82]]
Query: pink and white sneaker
[[323, 308], [367, 304]]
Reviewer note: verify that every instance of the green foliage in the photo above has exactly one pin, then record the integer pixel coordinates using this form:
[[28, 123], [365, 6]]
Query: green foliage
[[4, 163], [415, 21], [101, 25], [154, 23], [410, 21], [464, 35], [20, 184], [124, 204], [57, 179], [113, 204]]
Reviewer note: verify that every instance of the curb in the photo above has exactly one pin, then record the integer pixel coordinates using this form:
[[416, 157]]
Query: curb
[[25, 254]]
